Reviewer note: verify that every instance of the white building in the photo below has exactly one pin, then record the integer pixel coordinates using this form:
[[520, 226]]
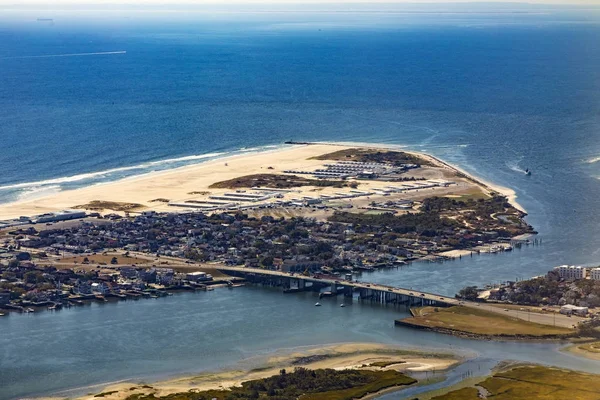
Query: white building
[[571, 272], [569, 309], [198, 276], [595, 274]]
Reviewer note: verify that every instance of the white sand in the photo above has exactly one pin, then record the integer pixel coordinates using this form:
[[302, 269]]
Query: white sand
[[177, 184], [342, 356]]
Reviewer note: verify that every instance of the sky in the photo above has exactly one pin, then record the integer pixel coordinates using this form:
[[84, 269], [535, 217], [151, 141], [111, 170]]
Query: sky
[[221, 2]]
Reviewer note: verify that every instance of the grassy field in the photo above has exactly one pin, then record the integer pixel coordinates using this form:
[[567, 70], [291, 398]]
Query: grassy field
[[480, 322], [99, 205], [533, 382], [467, 393], [385, 380], [474, 193], [372, 155], [105, 259], [275, 181]]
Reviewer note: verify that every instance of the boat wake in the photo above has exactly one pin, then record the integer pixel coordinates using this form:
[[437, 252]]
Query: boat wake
[[100, 53], [514, 166]]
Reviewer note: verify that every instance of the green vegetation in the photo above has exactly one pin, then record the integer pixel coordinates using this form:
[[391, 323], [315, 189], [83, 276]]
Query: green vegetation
[[370, 155], [278, 182], [454, 223], [533, 382], [99, 205], [469, 293], [421, 224], [467, 393], [480, 322], [106, 393], [320, 384], [383, 364], [551, 289]]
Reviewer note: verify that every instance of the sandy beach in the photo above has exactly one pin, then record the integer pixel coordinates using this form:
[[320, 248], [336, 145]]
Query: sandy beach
[[152, 191], [579, 349], [340, 356]]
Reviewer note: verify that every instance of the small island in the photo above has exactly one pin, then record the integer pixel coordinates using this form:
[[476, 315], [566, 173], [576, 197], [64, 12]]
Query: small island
[[339, 372]]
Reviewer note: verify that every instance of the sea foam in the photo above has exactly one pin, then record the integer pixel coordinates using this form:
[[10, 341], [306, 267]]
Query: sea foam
[[105, 173]]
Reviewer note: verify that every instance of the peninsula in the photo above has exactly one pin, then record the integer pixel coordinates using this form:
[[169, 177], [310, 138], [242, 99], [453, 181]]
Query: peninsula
[[319, 210], [306, 171]]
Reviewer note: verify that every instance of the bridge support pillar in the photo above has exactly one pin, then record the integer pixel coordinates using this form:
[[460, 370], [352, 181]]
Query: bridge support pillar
[[348, 290], [334, 288]]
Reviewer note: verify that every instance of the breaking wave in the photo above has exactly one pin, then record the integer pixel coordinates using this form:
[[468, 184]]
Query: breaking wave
[[108, 172], [593, 160]]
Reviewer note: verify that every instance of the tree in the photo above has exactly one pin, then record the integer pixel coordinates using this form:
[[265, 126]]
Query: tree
[[33, 277], [468, 293], [23, 256], [267, 261], [114, 260]]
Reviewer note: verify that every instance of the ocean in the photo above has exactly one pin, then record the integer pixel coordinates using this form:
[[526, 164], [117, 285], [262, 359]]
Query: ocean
[[91, 97]]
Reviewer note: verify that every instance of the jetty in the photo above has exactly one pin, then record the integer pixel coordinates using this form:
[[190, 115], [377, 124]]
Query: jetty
[[292, 282]]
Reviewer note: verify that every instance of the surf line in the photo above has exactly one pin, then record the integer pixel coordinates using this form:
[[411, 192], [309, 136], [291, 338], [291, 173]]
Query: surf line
[[102, 53]]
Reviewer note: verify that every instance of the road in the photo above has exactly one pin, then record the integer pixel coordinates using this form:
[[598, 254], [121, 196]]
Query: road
[[552, 319], [341, 282]]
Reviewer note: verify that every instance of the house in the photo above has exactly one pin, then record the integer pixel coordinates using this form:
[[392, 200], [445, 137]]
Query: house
[[4, 298], [128, 272], [83, 288], [100, 287], [595, 274], [198, 276], [148, 275]]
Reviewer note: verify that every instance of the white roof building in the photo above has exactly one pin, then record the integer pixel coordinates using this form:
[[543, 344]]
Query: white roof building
[[571, 272]]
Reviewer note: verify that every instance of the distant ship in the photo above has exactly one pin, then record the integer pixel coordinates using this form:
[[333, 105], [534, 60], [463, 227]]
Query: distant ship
[[527, 172]]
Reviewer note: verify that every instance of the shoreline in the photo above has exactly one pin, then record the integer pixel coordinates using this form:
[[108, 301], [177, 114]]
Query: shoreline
[[337, 356], [180, 182], [575, 350], [505, 191]]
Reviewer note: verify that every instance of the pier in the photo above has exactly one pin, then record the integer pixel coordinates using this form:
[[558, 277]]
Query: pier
[[378, 293]]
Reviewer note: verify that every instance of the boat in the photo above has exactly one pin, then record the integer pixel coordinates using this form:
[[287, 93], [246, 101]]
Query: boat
[[527, 172], [317, 304]]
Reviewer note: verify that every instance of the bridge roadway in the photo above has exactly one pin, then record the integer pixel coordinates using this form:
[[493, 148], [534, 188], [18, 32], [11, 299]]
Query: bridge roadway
[[361, 286], [552, 318]]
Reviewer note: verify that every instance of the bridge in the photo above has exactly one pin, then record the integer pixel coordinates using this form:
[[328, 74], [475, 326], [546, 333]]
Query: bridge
[[293, 282]]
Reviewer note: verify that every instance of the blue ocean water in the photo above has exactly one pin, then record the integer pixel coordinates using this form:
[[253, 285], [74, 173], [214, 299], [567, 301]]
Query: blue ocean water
[[494, 91]]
